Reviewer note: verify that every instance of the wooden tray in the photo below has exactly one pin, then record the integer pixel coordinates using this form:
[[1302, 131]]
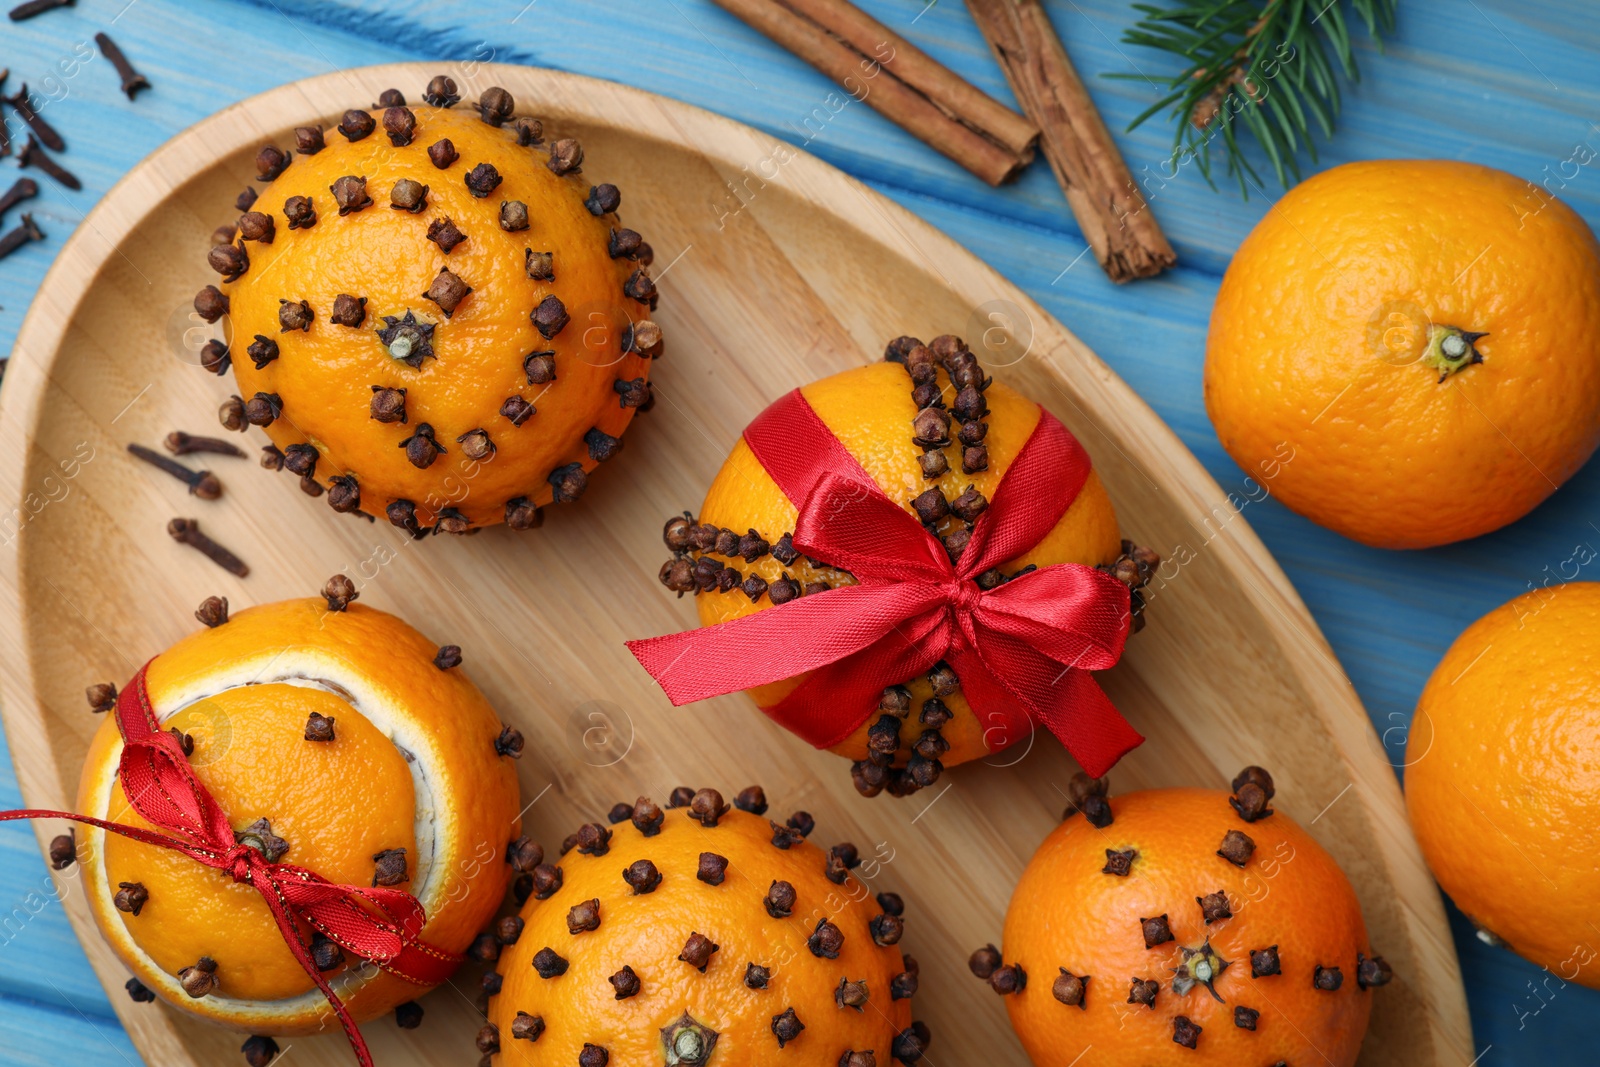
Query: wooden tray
[[774, 269]]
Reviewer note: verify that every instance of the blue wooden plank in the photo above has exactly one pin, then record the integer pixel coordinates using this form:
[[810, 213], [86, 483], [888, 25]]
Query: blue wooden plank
[[1503, 82]]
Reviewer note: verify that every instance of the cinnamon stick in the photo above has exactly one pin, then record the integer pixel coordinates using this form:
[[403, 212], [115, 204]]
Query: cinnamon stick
[[1116, 220], [877, 66]]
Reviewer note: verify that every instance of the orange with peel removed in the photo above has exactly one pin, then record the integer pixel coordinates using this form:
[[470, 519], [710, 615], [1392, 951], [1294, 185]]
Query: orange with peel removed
[[414, 758]]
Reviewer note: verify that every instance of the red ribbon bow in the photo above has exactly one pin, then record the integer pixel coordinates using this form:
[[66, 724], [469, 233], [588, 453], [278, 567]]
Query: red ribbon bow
[[1022, 650], [378, 924]]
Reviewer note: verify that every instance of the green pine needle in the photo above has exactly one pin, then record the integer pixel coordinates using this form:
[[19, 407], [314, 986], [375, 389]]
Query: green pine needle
[[1269, 67]]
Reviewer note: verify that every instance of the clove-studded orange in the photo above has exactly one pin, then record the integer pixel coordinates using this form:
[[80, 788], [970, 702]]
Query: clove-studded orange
[[1184, 927], [738, 558], [702, 933], [1408, 351], [336, 738], [1503, 776], [436, 315]]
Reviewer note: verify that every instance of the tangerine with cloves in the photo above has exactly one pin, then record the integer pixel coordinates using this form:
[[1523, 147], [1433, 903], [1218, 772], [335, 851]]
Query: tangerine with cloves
[[411, 267], [937, 434], [333, 740], [705, 934], [1177, 934]]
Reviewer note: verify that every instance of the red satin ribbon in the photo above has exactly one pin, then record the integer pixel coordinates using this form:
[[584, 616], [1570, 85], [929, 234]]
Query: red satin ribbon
[[376, 923], [1022, 650]]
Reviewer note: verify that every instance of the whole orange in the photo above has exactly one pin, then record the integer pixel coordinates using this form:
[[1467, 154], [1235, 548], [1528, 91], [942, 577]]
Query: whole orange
[[352, 737], [436, 314], [1503, 776], [1163, 928], [703, 934], [1408, 351], [737, 557]]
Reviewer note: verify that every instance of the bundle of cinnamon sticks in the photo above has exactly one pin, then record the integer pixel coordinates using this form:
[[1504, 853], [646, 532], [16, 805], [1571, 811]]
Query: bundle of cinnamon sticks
[[879, 67]]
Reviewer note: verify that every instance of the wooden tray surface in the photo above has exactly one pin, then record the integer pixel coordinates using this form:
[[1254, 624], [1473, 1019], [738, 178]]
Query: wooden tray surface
[[775, 269]]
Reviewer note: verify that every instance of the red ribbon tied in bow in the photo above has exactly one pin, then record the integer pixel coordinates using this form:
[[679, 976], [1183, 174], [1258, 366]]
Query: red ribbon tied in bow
[[1022, 650], [378, 924]]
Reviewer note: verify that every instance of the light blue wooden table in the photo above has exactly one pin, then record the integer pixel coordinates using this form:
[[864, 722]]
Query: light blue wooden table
[[1511, 83]]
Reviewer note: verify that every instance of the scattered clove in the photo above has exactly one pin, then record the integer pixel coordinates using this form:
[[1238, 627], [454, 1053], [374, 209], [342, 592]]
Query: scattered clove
[[20, 236], [38, 7], [24, 189], [187, 532], [24, 109], [132, 80], [182, 444]]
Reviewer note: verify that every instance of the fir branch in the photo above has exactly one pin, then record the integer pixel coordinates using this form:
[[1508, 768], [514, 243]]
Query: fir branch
[[1271, 67]]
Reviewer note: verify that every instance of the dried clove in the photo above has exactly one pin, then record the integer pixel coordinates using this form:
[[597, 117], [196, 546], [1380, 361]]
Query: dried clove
[[513, 216], [568, 482], [212, 612], [583, 917], [517, 410], [697, 951], [24, 189], [408, 1016], [348, 310], [1119, 862], [1010, 978], [603, 199], [482, 180], [1327, 979], [1245, 1018], [488, 1039], [294, 315], [442, 153], [528, 130], [625, 982], [539, 265], [521, 514], [340, 592], [1236, 848], [706, 807], [448, 658], [886, 929], [300, 211], [448, 290], [509, 742], [63, 850], [409, 195], [566, 156], [550, 317], [1185, 1032], [1372, 971], [826, 940], [132, 80], [400, 124], [984, 962], [319, 728], [230, 261], [786, 1027], [527, 1027], [756, 976], [495, 105], [301, 459], [350, 193], [388, 405], [540, 367], [1071, 989], [389, 867], [24, 109], [1143, 991], [201, 979], [441, 92], [548, 963], [20, 236], [422, 448], [1157, 931], [325, 953], [262, 350], [187, 532], [308, 140], [263, 409], [138, 992], [246, 199], [641, 876], [712, 868], [131, 897], [38, 7], [647, 817], [446, 234], [1214, 906], [357, 125]]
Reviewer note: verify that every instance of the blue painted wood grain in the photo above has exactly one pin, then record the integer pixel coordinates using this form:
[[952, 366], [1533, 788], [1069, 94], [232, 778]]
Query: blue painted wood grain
[[1510, 83]]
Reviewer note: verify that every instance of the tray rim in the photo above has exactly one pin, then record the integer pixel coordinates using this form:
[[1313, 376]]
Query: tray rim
[[145, 187]]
